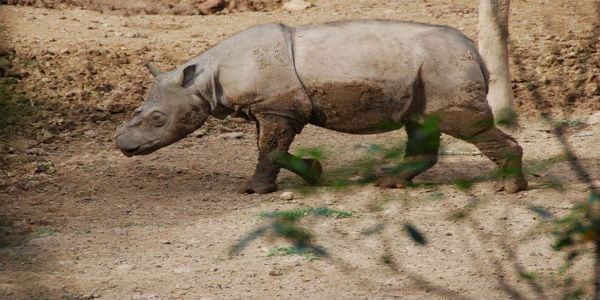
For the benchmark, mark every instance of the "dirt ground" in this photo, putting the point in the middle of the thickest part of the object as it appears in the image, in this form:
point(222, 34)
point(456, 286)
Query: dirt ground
point(81, 221)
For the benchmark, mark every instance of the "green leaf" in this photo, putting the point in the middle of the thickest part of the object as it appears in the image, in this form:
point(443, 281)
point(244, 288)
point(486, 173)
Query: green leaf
point(542, 212)
point(415, 234)
point(245, 241)
point(314, 153)
point(463, 185)
point(593, 197)
point(529, 276)
point(563, 242)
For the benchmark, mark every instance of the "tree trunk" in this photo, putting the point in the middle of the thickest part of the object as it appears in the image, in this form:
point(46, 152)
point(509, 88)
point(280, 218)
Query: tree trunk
point(493, 46)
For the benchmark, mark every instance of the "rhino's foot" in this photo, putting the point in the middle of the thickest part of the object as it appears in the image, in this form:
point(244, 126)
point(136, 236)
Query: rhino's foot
point(392, 182)
point(512, 185)
point(258, 187)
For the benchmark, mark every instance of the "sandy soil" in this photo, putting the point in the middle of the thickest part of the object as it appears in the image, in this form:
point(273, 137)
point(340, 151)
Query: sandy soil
point(81, 221)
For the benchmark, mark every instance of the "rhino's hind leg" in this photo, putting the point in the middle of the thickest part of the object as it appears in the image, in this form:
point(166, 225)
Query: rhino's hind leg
point(275, 135)
point(421, 154)
point(506, 153)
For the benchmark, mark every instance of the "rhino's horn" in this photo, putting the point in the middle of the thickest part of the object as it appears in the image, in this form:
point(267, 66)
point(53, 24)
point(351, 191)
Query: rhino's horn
point(154, 70)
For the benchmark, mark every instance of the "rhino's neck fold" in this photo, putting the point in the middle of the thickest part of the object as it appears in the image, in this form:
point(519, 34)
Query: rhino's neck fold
point(206, 87)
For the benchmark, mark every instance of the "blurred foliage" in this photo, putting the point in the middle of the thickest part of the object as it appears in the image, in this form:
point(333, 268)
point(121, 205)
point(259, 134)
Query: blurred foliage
point(303, 212)
point(288, 251)
point(317, 153)
point(463, 184)
point(580, 226)
point(415, 234)
point(535, 166)
point(286, 224)
point(46, 232)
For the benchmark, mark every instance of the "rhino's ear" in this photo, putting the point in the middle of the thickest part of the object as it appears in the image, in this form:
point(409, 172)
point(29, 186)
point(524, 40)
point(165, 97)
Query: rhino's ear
point(153, 69)
point(189, 74)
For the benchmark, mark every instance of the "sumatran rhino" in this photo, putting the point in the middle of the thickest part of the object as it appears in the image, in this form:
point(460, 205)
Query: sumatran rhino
point(353, 77)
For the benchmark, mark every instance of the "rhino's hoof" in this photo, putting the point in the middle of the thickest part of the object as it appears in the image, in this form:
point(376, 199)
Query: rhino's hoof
point(390, 182)
point(258, 188)
point(512, 185)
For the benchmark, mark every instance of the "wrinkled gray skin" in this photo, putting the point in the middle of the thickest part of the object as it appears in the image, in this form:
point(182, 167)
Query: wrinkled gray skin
point(352, 77)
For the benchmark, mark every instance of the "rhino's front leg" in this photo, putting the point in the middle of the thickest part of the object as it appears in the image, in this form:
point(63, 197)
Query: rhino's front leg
point(275, 135)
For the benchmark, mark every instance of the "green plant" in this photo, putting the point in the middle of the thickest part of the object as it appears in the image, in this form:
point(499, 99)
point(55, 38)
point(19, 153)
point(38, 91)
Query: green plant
point(46, 232)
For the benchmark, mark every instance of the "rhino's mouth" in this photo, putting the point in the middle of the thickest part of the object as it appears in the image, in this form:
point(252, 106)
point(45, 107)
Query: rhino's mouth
point(143, 149)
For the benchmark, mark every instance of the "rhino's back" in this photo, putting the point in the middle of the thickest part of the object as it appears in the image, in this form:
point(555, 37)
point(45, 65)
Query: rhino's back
point(361, 49)
point(370, 69)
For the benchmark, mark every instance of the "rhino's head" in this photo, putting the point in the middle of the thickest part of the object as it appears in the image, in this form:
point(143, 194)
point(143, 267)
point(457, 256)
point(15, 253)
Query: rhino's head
point(172, 110)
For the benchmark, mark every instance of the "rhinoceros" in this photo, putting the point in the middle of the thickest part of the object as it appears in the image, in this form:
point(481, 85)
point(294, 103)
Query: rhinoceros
point(354, 77)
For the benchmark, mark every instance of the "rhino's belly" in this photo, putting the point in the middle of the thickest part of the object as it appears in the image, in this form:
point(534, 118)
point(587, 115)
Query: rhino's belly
point(358, 107)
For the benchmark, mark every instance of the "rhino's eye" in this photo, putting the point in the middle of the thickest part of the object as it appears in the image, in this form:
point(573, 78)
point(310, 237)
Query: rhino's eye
point(157, 118)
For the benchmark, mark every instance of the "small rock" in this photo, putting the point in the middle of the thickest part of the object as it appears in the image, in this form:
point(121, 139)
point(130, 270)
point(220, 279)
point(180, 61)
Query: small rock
point(583, 134)
point(593, 88)
point(545, 80)
point(183, 270)
point(232, 135)
point(549, 60)
point(90, 133)
point(591, 120)
point(115, 107)
point(275, 273)
point(28, 185)
point(287, 196)
point(199, 133)
point(46, 167)
point(297, 5)
point(125, 268)
point(137, 35)
point(44, 136)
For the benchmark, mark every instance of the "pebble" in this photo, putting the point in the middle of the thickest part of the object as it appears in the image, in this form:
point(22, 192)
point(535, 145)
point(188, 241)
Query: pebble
point(125, 267)
point(297, 5)
point(28, 185)
point(46, 167)
point(232, 135)
point(44, 136)
point(593, 88)
point(583, 134)
point(287, 196)
point(593, 119)
point(199, 133)
point(90, 133)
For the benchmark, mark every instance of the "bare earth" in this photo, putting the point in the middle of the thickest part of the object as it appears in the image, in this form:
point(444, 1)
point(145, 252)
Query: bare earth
point(79, 220)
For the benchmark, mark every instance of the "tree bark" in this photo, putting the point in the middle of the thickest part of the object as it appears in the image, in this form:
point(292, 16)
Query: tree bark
point(493, 46)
